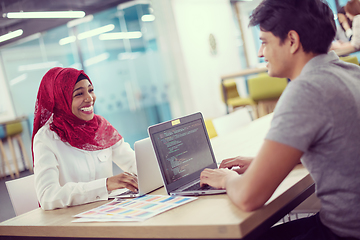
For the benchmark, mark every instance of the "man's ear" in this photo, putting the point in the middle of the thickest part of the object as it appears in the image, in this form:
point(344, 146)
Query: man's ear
point(294, 39)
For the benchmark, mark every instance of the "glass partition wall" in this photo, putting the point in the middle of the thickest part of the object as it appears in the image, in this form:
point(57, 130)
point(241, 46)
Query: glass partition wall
point(117, 48)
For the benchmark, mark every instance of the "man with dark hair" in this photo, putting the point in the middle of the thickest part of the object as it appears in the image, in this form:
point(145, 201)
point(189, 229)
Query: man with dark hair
point(316, 121)
point(312, 20)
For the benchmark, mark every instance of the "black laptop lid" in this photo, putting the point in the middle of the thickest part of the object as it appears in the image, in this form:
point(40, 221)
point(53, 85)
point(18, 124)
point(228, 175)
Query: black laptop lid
point(183, 149)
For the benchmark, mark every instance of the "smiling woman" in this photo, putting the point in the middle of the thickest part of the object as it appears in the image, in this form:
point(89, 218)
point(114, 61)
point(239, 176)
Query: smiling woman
point(73, 148)
point(83, 99)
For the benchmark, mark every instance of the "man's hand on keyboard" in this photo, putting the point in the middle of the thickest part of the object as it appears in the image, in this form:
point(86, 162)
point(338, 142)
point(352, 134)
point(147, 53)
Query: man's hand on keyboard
point(238, 164)
point(216, 177)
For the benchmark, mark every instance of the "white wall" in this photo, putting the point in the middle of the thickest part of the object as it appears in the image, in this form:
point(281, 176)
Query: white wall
point(190, 22)
point(6, 108)
point(174, 67)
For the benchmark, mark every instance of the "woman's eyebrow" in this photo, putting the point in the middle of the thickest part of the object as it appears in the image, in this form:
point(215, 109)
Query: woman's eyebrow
point(77, 89)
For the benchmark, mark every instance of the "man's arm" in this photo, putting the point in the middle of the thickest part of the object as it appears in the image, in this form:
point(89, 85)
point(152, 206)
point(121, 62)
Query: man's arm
point(251, 190)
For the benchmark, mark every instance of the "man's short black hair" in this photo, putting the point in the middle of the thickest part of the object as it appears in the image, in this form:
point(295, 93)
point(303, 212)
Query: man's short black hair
point(313, 20)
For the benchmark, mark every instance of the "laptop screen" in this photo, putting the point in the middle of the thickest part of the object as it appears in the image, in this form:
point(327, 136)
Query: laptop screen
point(183, 149)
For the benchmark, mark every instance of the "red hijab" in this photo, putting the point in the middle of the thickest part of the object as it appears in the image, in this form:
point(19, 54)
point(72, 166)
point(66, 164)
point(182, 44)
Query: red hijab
point(55, 98)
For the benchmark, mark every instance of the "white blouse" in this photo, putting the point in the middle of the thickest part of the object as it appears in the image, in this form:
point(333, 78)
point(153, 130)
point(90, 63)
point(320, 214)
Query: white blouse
point(67, 176)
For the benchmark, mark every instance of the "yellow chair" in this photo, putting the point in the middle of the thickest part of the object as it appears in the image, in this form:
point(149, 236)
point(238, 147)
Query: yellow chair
point(350, 59)
point(233, 100)
point(3, 152)
point(265, 91)
point(210, 128)
point(13, 131)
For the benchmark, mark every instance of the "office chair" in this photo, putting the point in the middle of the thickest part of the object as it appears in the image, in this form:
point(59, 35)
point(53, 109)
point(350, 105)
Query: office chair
point(265, 91)
point(308, 207)
point(3, 153)
point(9, 132)
point(210, 128)
point(350, 59)
point(233, 100)
point(22, 194)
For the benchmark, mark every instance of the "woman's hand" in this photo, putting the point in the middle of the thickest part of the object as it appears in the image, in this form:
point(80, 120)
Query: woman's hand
point(122, 180)
point(238, 164)
point(216, 177)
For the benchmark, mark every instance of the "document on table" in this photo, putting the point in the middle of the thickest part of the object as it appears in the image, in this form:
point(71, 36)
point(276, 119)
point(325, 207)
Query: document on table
point(136, 209)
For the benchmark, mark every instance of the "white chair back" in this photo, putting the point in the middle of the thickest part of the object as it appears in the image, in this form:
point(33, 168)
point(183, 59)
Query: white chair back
point(22, 194)
point(231, 121)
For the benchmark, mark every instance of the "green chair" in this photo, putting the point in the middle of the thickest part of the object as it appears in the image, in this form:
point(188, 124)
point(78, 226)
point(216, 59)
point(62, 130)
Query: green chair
point(265, 91)
point(350, 59)
point(3, 152)
point(233, 100)
point(12, 132)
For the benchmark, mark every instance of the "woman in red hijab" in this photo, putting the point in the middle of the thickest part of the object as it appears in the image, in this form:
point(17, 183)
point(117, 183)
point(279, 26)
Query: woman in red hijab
point(73, 149)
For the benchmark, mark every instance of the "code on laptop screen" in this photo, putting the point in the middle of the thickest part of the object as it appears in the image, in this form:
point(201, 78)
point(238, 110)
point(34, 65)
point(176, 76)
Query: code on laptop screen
point(183, 150)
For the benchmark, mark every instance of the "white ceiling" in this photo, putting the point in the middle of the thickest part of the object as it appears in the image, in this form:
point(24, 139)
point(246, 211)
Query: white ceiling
point(31, 26)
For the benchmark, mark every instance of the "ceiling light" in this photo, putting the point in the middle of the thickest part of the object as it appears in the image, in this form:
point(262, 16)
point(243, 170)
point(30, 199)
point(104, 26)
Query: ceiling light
point(11, 35)
point(96, 31)
point(128, 55)
point(18, 79)
point(120, 35)
point(50, 14)
point(148, 18)
point(67, 40)
point(38, 66)
point(97, 59)
point(75, 22)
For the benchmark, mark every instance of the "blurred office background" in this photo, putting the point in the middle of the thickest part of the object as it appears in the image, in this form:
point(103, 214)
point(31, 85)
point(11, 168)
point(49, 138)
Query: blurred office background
point(150, 61)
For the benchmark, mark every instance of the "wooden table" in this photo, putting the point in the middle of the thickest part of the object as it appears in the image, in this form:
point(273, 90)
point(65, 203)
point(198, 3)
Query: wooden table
point(209, 217)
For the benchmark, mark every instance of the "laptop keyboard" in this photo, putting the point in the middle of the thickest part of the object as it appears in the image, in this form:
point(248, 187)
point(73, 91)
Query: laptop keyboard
point(197, 187)
point(128, 192)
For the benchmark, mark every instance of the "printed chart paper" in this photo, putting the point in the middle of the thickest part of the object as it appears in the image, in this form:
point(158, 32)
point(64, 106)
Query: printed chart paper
point(136, 209)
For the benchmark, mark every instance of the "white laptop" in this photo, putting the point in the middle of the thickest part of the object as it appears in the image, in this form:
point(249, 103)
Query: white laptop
point(183, 150)
point(149, 177)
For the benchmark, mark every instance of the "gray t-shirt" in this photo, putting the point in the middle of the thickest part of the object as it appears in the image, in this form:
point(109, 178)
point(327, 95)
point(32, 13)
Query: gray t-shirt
point(319, 114)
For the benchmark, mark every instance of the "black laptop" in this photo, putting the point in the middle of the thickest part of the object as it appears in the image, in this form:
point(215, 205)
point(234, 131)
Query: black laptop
point(183, 150)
